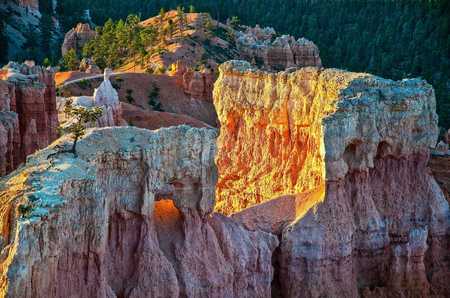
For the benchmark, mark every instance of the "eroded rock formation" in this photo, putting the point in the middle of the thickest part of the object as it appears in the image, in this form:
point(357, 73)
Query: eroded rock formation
point(77, 37)
point(196, 84)
point(106, 97)
point(28, 115)
point(264, 48)
point(130, 217)
point(357, 212)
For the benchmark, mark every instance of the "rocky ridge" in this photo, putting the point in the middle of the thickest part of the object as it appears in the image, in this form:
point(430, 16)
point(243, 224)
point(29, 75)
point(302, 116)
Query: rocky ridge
point(133, 200)
point(358, 213)
point(368, 221)
point(192, 55)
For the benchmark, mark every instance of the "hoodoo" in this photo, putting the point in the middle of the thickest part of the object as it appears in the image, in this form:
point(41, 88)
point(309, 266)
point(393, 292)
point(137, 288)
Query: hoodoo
point(334, 162)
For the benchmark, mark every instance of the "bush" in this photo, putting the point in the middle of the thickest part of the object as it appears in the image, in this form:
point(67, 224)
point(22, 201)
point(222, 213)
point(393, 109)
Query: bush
point(70, 61)
point(25, 210)
point(153, 99)
point(129, 96)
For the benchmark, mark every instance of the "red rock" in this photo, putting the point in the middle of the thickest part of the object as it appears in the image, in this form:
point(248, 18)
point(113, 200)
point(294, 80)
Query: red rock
point(196, 84)
point(136, 116)
point(28, 112)
point(265, 49)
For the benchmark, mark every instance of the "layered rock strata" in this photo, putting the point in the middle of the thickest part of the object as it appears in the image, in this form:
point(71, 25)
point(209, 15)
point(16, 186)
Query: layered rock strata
point(346, 154)
point(28, 115)
point(130, 217)
point(264, 48)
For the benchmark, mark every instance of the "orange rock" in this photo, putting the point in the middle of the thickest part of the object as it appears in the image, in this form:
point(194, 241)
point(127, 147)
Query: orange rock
point(355, 147)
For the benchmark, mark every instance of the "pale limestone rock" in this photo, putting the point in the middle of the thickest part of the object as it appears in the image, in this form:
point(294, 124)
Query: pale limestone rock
point(132, 216)
point(106, 96)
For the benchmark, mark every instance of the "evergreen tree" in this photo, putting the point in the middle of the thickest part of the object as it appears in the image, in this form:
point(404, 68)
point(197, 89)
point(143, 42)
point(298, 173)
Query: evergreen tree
point(70, 61)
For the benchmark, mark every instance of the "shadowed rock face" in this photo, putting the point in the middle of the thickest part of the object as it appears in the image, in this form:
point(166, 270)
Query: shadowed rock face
point(265, 49)
point(345, 156)
point(28, 115)
point(130, 217)
point(77, 37)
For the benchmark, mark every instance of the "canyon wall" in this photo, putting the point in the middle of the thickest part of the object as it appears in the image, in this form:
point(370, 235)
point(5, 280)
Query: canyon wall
point(130, 217)
point(21, 18)
point(335, 163)
point(28, 115)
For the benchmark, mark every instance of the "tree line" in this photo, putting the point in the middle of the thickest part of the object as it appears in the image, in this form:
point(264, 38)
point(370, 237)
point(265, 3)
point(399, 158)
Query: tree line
point(393, 39)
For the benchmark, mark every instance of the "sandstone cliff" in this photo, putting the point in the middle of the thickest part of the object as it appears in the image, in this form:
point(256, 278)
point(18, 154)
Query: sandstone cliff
point(358, 213)
point(28, 115)
point(131, 217)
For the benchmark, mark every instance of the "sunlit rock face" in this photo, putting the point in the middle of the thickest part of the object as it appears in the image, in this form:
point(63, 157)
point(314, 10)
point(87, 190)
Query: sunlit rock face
point(130, 217)
point(28, 115)
point(345, 156)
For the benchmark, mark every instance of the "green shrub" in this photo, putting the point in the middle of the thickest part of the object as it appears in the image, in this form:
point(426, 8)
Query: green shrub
point(153, 99)
point(25, 210)
point(129, 96)
point(84, 84)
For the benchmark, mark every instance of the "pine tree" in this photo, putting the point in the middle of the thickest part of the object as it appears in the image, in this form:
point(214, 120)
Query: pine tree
point(81, 117)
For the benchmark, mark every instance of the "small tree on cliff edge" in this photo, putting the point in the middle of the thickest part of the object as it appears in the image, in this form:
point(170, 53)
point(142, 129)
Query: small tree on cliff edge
point(81, 116)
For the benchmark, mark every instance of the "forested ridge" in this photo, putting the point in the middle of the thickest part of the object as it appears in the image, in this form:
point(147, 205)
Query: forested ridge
point(390, 38)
